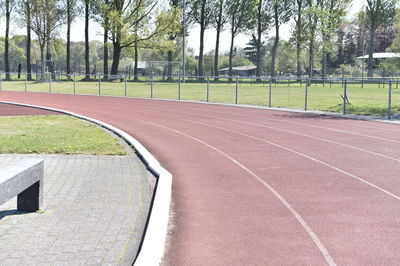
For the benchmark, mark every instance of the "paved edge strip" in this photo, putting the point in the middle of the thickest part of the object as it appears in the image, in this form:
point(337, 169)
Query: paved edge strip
point(153, 243)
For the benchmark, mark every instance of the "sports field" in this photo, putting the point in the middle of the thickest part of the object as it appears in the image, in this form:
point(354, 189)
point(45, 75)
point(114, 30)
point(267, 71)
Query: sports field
point(366, 99)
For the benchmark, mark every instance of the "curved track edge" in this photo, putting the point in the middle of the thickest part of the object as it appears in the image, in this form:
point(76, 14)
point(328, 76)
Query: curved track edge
point(153, 242)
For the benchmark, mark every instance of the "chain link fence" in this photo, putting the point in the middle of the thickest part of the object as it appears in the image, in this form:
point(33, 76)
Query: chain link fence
point(374, 97)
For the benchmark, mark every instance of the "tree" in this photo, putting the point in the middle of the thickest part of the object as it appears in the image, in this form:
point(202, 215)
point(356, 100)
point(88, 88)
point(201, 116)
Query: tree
point(202, 12)
point(24, 9)
point(87, 16)
point(101, 17)
point(264, 18)
point(377, 13)
point(299, 30)
point(122, 18)
point(175, 7)
point(47, 16)
point(8, 7)
point(311, 13)
point(331, 14)
point(239, 15)
point(219, 23)
point(282, 12)
point(149, 34)
point(72, 10)
point(251, 50)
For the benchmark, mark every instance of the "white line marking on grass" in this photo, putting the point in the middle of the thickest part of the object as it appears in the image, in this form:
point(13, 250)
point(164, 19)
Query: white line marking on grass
point(303, 155)
point(298, 217)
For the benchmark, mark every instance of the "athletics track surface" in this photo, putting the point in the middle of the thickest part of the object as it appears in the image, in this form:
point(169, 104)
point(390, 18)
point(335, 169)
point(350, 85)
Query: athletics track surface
point(263, 187)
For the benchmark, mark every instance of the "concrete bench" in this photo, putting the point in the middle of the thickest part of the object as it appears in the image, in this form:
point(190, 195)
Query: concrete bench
point(25, 180)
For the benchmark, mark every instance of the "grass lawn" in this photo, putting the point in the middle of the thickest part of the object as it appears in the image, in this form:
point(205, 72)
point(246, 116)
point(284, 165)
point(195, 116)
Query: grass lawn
point(55, 134)
point(369, 99)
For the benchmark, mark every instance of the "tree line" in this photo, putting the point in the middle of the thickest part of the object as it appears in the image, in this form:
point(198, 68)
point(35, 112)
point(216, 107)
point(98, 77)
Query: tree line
point(321, 35)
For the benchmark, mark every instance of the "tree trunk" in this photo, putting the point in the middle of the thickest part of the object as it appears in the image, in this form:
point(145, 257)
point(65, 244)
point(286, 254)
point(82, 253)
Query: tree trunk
point(87, 63)
point(105, 54)
point(6, 41)
point(201, 50)
point(116, 56)
point(169, 66)
point(28, 42)
point(298, 40)
point(135, 67)
point(259, 34)
point(231, 56)
point(216, 55)
point(42, 44)
point(311, 59)
point(275, 48)
point(69, 21)
point(371, 47)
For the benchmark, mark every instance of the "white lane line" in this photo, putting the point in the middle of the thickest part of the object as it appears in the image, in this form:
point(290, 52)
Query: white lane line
point(312, 126)
point(300, 154)
point(312, 137)
point(298, 217)
point(291, 132)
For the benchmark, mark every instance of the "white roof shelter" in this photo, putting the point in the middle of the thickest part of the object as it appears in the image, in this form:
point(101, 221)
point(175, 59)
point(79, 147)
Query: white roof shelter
point(381, 56)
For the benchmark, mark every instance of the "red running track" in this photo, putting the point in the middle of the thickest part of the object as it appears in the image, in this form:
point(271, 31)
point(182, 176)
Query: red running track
point(263, 187)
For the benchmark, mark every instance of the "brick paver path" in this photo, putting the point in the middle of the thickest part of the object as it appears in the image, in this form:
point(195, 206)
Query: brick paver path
point(95, 212)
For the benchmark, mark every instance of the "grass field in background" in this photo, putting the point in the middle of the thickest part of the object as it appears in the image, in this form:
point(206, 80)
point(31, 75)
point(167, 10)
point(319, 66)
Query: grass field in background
point(57, 134)
point(371, 99)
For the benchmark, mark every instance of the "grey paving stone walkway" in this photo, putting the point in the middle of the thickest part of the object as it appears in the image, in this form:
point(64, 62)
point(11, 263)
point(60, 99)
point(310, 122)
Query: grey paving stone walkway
point(95, 212)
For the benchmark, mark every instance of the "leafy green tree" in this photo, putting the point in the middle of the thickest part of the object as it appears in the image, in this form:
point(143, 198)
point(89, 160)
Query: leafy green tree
point(239, 16)
point(311, 18)
point(88, 4)
point(331, 14)
point(72, 9)
point(99, 6)
point(149, 34)
point(47, 16)
point(219, 23)
point(299, 31)
point(202, 14)
point(251, 50)
point(7, 9)
point(264, 18)
point(282, 13)
point(123, 16)
point(377, 13)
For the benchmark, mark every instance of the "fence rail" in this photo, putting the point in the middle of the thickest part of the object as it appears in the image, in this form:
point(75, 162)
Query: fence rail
point(377, 97)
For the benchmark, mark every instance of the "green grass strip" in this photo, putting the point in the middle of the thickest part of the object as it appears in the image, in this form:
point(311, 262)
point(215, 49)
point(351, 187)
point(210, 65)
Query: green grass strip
point(55, 134)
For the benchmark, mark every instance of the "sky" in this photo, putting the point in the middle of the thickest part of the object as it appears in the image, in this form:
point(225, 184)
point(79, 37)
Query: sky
point(95, 32)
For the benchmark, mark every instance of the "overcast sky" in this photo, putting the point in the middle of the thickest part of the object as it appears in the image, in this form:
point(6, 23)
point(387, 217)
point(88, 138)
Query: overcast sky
point(95, 32)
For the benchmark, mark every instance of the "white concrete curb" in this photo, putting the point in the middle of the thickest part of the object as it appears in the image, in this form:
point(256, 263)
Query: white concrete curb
point(154, 240)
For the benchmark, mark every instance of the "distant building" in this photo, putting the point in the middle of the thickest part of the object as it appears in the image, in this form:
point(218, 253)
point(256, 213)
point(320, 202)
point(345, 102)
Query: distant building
point(381, 56)
point(239, 71)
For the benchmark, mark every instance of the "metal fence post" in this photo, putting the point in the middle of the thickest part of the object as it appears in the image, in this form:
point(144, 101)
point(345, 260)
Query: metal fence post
point(208, 90)
point(236, 92)
point(99, 86)
point(49, 82)
point(74, 83)
point(179, 88)
point(126, 87)
point(344, 96)
point(390, 101)
point(151, 87)
point(306, 96)
point(270, 93)
point(26, 85)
